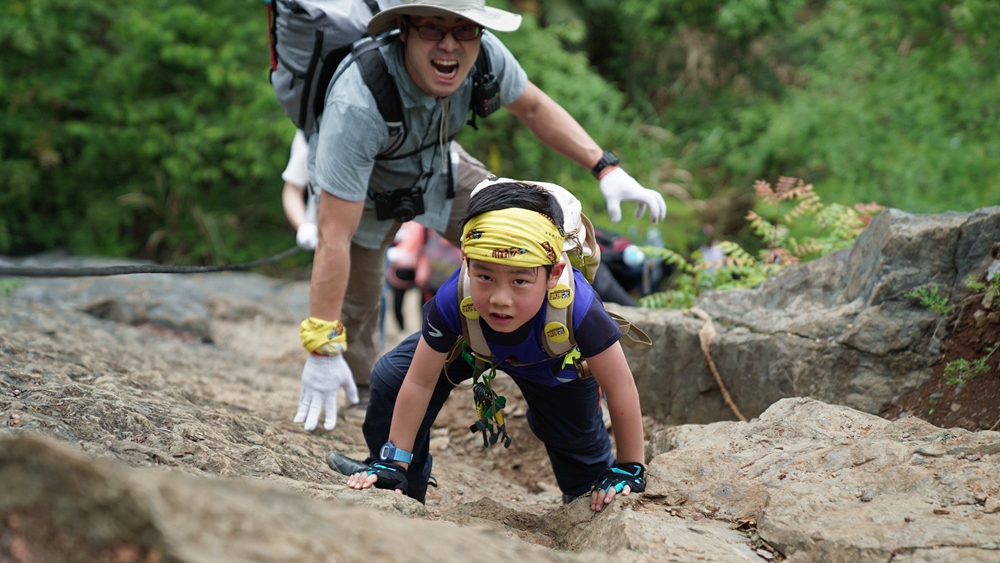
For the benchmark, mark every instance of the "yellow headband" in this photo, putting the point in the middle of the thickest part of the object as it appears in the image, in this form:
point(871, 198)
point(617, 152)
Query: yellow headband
point(513, 237)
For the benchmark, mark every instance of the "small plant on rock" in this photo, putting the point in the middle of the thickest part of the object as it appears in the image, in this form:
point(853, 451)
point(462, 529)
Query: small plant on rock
point(931, 298)
point(961, 370)
point(990, 288)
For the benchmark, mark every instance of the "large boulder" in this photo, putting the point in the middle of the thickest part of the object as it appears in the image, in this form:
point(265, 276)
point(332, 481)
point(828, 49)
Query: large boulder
point(829, 483)
point(837, 329)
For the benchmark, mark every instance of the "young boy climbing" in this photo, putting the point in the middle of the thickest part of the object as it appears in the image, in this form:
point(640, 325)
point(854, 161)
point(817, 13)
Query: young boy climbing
point(512, 241)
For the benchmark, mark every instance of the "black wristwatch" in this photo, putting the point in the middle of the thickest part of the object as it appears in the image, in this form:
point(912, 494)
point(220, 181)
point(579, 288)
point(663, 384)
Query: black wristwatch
point(609, 159)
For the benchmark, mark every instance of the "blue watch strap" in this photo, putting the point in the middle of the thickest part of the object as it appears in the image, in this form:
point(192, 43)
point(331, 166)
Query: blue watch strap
point(390, 452)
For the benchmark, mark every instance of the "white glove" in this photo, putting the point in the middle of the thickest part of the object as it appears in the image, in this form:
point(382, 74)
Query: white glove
point(307, 237)
point(322, 378)
point(618, 186)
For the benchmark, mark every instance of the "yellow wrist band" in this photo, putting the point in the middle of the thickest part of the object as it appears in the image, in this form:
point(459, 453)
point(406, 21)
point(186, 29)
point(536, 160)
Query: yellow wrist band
point(323, 337)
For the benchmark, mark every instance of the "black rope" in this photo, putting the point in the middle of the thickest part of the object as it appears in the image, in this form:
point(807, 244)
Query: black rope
point(29, 272)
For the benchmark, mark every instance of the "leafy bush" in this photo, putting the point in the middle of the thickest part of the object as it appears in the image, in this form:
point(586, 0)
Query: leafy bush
point(865, 99)
point(139, 128)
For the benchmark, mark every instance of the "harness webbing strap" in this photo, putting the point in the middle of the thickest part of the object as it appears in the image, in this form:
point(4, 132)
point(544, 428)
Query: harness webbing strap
point(471, 330)
point(563, 316)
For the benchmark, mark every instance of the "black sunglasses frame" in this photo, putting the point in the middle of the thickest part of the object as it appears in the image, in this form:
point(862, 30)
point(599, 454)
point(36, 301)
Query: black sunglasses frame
point(446, 30)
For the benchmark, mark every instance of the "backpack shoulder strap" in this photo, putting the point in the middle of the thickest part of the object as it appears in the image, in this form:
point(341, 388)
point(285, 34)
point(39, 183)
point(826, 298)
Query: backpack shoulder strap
point(383, 87)
point(632, 336)
point(471, 331)
point(558, 338)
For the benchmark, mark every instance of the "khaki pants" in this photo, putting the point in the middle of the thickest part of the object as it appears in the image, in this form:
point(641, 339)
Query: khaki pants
point(361, 311)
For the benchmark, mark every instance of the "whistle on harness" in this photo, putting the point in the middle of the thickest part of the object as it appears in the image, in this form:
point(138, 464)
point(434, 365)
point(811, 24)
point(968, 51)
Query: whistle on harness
point(489, 409)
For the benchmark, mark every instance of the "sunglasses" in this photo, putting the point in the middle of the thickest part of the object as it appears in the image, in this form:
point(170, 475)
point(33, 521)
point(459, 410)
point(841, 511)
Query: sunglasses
point(435, 32)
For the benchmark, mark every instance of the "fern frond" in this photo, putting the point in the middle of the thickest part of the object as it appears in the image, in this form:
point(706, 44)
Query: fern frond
point(792, 188)
point(668, 256)
point(802, 250)
point(735, 251)
point(672, 299)
point(871, 209)
point(779, 256)
point(868, 211)
point(809, 204)
point(764, 192)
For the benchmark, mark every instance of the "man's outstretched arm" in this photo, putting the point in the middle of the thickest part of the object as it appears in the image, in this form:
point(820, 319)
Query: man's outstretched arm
point(555, 127)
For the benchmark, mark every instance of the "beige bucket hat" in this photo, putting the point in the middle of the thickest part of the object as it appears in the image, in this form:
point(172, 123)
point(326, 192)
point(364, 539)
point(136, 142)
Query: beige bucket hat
point(474, 10)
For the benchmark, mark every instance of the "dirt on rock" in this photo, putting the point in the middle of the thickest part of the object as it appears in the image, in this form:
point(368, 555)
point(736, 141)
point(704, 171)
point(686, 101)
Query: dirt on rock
point(973, 402)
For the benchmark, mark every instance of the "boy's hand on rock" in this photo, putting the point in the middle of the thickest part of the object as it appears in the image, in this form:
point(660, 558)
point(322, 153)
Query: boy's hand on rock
point(383, 475)
point(620, 478)
point(322, 379)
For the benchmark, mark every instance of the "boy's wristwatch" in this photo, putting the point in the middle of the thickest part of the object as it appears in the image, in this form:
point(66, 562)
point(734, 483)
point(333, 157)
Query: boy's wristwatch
point(608, 159)
point(390, 452)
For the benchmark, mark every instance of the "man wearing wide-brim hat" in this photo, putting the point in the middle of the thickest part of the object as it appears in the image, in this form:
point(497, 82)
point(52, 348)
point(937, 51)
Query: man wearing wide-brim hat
point(439, 41)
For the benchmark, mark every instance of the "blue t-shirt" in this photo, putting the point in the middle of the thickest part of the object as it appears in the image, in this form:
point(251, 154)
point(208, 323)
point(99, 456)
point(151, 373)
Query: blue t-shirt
point(593, 329)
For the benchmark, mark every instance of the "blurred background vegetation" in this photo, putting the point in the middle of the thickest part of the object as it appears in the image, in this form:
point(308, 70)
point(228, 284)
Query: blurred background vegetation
point(148, 128)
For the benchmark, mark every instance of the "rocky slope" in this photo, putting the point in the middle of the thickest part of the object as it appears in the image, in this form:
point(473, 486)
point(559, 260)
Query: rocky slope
point(126, 441)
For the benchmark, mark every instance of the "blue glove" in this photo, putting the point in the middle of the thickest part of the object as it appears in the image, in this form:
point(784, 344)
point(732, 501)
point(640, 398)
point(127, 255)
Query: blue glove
point(619, 475)
point(390, 475)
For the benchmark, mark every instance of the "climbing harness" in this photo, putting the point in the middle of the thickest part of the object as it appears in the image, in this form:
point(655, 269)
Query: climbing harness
point(32, 272)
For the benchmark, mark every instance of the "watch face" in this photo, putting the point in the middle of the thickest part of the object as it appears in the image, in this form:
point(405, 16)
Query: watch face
point(384, 454)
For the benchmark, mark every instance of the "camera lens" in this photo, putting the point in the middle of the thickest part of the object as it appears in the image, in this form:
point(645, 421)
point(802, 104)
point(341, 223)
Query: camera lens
point(404, 211)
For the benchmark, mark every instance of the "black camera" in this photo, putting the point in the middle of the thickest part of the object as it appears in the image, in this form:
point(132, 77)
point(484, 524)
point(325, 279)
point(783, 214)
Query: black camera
point(402, 205)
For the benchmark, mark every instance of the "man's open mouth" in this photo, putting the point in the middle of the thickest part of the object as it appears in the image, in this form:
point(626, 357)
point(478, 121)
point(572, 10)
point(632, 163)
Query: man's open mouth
point(445, 68)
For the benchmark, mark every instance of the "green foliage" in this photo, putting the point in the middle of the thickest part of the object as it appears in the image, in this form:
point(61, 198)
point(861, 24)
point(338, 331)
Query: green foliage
point(867, 99)
point(148, 128)
point(7, 286)
point(961, 370)
point(795, 207)
point(140, 128)
point(991, 287)
point(932, 299)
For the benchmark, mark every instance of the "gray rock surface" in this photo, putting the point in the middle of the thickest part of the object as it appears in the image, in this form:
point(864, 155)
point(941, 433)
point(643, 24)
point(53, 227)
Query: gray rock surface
point(219, 472)
point(188, 519)
point(222, 474)
point(178, 302)
point(829, 483)
point(837, 329)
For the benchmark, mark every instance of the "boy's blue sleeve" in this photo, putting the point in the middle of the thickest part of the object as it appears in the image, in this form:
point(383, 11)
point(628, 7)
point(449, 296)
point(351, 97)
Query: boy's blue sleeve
point(597, 331)
point(435, 330)
point(441, 326)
